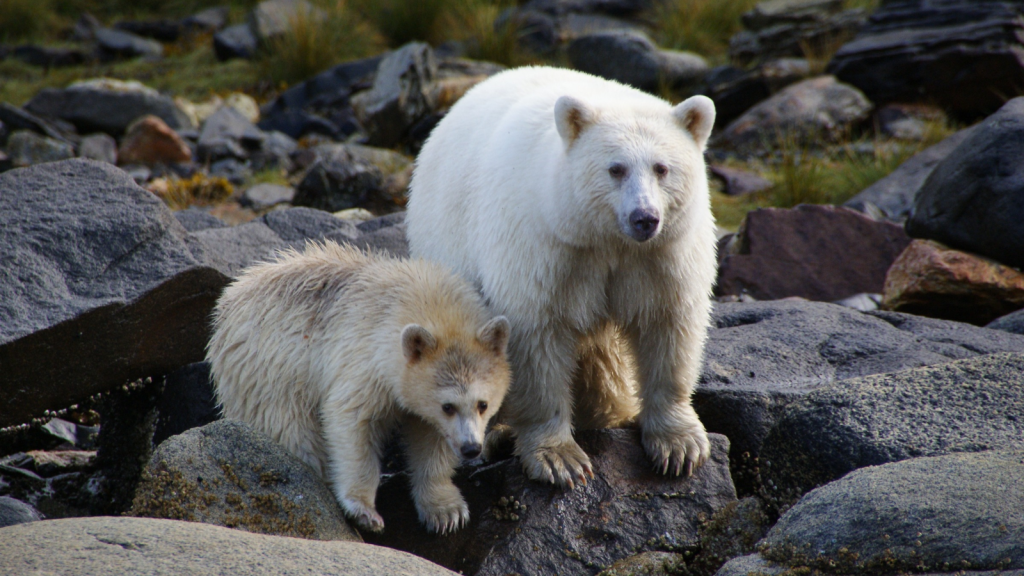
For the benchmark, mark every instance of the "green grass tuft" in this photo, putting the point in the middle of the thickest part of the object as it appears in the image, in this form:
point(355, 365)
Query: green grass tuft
point(701, 26)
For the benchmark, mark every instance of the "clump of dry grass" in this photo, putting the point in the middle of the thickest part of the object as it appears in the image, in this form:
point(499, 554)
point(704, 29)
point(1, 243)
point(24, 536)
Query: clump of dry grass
point(473, 23)
point(402, 21)
point(701, 26)
point(25, 19)
point(199, 190)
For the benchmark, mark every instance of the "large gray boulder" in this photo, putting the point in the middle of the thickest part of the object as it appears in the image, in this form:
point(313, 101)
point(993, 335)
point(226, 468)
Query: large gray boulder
point(964, 55)
point(762, 356)
point(974, 199)
point(631, 58)
point(106, 105)
point(892, 197)
point(400, 95)
point(947, 513)
point(99, 285)
point(964, 406)
point(518, 526)
point(150, 547)
point(226, 473)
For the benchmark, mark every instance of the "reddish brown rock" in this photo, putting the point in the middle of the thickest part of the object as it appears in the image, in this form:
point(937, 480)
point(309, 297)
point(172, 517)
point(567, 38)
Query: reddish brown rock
point(933, 280)
point(150, 140)
point(822, 253)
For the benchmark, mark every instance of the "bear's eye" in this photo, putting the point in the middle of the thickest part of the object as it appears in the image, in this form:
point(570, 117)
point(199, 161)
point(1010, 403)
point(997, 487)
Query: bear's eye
point(448, 409)
point(617, 170)
point(481, 406)
point(660, 169)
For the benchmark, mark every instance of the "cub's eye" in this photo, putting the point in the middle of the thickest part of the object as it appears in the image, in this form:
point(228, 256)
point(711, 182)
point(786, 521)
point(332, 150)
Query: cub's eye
point(448, 409)
point(660, 169)
point(481, 406)
point(617, 170)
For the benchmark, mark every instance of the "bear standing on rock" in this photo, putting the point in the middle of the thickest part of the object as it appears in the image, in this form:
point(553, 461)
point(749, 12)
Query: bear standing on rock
point(580, 208)
point(328, 350)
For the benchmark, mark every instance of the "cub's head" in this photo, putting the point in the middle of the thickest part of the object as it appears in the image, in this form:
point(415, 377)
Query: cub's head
point(456, 383)
point(637, 166)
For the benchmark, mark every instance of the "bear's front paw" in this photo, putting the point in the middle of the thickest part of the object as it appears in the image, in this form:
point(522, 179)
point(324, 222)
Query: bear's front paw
point(444, 518)
point(564, 464)
point(677, 452)
point(366, 517)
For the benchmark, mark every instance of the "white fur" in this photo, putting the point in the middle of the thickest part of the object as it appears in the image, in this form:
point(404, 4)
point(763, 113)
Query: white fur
point(328, 350)
point(513, 190)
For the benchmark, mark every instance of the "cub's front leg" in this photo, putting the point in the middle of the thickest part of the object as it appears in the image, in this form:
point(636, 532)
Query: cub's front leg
point(353, 462)
point(432, 463)
point(668, 362)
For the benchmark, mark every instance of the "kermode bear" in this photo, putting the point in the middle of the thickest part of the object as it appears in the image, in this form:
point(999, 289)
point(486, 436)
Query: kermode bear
point(579, 207)
point(329, 349)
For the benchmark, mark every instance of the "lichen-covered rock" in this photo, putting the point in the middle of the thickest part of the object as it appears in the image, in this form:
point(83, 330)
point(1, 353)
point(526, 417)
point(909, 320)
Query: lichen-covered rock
point(227, 474)
point(647, 564)
point(732, 531)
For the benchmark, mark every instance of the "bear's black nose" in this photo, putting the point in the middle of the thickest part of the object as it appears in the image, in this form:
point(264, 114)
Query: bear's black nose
point(644, 223)
point(470, 451)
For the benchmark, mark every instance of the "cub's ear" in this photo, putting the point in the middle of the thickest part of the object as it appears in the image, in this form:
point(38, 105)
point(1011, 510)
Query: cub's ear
point(696, 115)
point(494, 334)
point(416, 341)
point(572, 117)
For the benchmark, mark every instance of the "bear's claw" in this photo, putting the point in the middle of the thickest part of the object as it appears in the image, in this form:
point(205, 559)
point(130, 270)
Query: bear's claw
point(445, 519)
point(678, 454)
point(559, 464)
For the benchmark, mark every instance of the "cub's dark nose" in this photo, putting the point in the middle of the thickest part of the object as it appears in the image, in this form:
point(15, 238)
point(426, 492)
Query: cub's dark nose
point(470, 451)
point(644, 224)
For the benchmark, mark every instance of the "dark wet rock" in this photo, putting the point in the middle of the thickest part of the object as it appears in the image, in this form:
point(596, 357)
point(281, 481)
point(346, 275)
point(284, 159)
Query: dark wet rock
point(933, 280)
point(804, 113)
point(762, 356)
point(391, 239)
point(918, 515)
point(151, 547)
point(964, 55)
point(102, 286)
point(105, 105)
point(1012, 322)
point(801, 28)
point(100, 147)
point(15, 118)
point(338, 181)
point(631, 58)
point(972, 200)
point(162, 30)
point(320, 104)
point(400, 95)
point(120, 44)
point(26, 148)
point(736, 182)
point(735, 90)
point(892, 197)
point(524, 527)
point(49, 56)
point(14, 511)
point(228, 474)
point(227, 133)
point(187, 402)
point(194, 220)
point(275, 152)
point(263, 196)
point(732, 531)
point(236, 41)
point(806, 252)
point(965, 406)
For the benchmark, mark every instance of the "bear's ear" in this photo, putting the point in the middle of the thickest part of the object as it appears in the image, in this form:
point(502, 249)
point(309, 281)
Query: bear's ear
point(696, 115)
point(494, 334)
point(572, 117)
point(416, 341)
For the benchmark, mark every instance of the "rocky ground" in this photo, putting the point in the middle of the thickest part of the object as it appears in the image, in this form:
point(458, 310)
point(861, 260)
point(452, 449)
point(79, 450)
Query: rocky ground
point(863, 379)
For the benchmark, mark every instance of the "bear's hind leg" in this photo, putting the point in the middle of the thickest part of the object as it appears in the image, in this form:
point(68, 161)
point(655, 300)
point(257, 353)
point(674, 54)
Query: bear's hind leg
point(604, 385)
point(432, 462)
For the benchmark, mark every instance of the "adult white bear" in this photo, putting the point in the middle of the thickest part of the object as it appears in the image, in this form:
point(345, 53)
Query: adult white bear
point(579, 207)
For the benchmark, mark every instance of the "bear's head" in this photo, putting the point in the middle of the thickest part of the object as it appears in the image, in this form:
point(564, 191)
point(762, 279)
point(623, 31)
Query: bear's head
point(636, 166)
point(455, 382)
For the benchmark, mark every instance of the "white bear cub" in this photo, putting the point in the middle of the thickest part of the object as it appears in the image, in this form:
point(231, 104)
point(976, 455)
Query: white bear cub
point(328, 350)
point(580, 208)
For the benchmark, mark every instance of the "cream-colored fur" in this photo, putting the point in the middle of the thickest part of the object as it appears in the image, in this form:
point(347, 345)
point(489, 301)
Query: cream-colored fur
point(328, 350)
point(540, 186)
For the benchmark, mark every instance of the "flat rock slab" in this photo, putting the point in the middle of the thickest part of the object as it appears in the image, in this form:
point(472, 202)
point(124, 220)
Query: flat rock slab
point(974, 199)
point(625, 510)
point(228, 474)
point(761, 356)
point(960, 511)
point(823, 253)
point(105, 105)
point(150, 547)
point(99, 285)
point(965, 406)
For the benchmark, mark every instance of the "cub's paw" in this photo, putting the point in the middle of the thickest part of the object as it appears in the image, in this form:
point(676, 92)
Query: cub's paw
point(366, 517)
point(676, 452)
point(564, 464)
point(444, 518)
